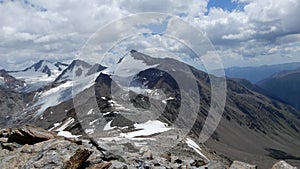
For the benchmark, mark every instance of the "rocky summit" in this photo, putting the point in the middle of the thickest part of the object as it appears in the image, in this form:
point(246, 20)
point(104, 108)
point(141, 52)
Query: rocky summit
point(33, 147)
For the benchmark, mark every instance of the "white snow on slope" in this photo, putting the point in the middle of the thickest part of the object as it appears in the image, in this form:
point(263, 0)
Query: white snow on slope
point(62, 125)
point(108, 126)
point(66, 124)
point(63, 92)
point(165, 100)
point(147, 129)
point(54, 126)
point(90, 112)
point(130, 66)
point(89, 131)
point(144, 129)
point(67, 134)
point(195, 146)
point(71, 75)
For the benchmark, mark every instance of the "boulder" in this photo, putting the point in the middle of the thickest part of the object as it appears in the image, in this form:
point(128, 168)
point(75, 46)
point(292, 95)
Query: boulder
point(30, 135)
point(78, 159)
point(242, 165)
point(283, 165)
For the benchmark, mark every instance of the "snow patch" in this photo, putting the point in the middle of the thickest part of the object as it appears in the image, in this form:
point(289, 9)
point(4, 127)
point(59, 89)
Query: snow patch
point(108, 126)
point(93, 122)
point(165, 100)
point(66, 124)
point(90, 112)
point(67, 134)
point(196, 148)
point(147, 129)
point(89, 131)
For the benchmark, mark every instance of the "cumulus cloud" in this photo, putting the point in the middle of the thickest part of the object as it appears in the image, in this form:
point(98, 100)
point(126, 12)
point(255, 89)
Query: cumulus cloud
point(262, 29)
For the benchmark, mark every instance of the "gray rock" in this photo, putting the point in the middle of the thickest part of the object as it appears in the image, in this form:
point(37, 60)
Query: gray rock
point(49, 154)
point(118, 165)
point(283, 165)
point(242, 165)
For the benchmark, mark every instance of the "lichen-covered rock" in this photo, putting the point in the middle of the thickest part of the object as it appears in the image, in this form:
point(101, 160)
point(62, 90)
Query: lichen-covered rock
point(283, 165)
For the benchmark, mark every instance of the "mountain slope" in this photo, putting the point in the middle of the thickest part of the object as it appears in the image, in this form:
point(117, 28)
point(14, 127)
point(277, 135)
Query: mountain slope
point(284, 86)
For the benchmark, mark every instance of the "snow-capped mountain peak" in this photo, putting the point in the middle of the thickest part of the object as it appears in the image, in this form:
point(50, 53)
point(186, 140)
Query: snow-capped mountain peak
point(39, 74)
point(47, 67)
point(77, 69)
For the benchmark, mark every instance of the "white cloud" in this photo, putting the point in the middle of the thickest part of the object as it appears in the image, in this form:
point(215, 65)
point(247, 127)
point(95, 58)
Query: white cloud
point(57, 29)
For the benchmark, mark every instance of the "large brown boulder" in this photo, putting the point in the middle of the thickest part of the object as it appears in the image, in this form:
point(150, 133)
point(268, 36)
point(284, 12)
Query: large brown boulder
point(30, 135)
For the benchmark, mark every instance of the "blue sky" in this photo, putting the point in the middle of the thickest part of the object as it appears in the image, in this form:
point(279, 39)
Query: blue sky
point(227, 5)
point(224, 4)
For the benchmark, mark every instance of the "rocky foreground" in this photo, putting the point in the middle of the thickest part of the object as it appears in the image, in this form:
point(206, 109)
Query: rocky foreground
point(32, 147)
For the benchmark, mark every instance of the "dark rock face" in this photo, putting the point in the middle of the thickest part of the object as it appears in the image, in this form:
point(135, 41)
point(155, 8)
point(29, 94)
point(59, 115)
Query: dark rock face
point(9, 82)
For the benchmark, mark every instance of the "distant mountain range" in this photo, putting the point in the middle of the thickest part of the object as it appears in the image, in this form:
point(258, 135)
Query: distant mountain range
point(280, 82)
point(254, 126)
point(284, 86)
point(256, 74)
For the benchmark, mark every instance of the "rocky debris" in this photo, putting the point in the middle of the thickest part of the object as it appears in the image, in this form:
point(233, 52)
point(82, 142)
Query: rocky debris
point(215, 165)
point(103, 165)
point(242, 165)
point(283, 165)
point(30, 135)
point(50, 152)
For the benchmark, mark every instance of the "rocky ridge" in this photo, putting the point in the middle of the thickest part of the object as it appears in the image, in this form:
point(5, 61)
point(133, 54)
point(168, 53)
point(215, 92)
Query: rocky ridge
point(33, 147)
